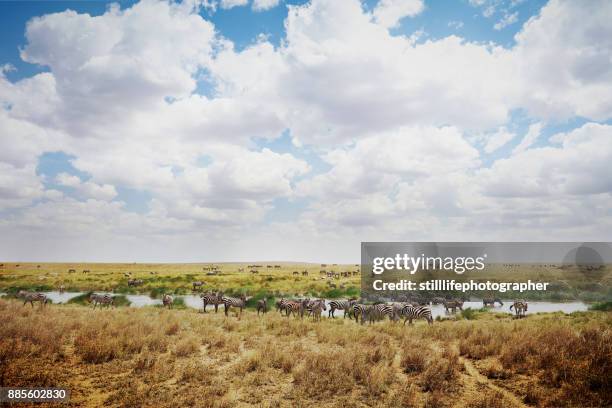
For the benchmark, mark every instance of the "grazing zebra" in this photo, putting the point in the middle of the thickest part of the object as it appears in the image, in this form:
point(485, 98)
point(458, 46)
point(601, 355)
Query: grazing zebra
point(491, 302)
point(453, 304)
point(96, 299)
point(167, 300)
point(197, 285)
point(315, 308)
point(211, 299)
point(520, 307)
point(361, 310)
point(262, 305)
point(437, 300)
point(416, 312)
point(228, 302)
point(32, 297)
point(344, 305)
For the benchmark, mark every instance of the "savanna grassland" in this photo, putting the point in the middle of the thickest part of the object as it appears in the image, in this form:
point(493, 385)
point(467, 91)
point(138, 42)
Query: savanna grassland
point(158, 357)
point(271, 279)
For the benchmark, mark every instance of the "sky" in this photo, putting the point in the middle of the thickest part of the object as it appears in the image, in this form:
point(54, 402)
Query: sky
point(246, 130)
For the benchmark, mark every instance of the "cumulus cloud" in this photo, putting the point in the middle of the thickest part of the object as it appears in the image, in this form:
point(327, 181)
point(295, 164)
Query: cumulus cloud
point(262, 5)
point(506, 20)
point(228, 4)
point(381, 127)
point(388, 13)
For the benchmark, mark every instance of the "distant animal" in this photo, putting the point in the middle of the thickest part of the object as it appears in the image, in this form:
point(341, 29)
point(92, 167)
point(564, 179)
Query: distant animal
point(520, 307)
point(135, 282)
point(453, 305)
point(296, 273)
point(32, 297)
point(167, 301)
point(437, 300)
point(71, 270)
point(97, 299)
point(86, 271)
point(229, 302)
point(38, 266)
point(344, 305)
point(197, 285)
point(62, 289)
point(262, 305)
point(304, 273)
point(211, 299)
point(416, 312)
point(491, 302)
point(254, 271)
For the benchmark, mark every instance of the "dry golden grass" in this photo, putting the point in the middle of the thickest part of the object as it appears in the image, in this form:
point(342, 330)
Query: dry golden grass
point(157, 357)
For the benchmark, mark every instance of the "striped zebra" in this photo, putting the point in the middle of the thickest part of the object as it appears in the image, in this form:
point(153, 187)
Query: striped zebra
point(416, 312)
point(262, 305)
point(229, 302)
point(344, 305)
point(281, 305)
point(211, 299)
point(101, 300)
point(32, 297)
point(520, 307)
point(397, 308)
point(360, 310)
point(167, 300)
point(315, 308)
point(294, 307)
point(453, 305)
point(491, 302)
point(379, 311)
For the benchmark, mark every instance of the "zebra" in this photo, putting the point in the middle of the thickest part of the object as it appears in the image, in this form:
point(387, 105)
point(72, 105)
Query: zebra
point(491, 302)
point(520, 307)
point(33, 297)
point(262, 305)
point(379, 311)
point(62, 289)
point(228, 302)
point(453, 304)
point(167, 300)
point(197, 285)
point(419, 312)
point(101, 300)
point(211, 299)
point(135, 282)
point(315, 308)
point(281, 305)
point(437, 300)
point(361, 310)
point(294, 307)
point(344, 305)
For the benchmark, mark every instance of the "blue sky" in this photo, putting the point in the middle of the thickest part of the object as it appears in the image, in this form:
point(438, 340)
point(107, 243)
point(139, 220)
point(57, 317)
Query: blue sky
point(157, 127)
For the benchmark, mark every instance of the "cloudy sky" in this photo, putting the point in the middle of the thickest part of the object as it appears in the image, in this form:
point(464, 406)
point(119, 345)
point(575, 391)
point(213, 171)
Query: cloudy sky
point(212, 130)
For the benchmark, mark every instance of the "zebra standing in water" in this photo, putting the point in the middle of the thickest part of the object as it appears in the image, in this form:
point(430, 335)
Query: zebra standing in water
point(228, 302)
point(101, 300)
point(491, 302)
point(262, 305)
point(453, 305)
point(344, 305)
point(211, 299)
point(32, 297)
point(167, 300)
point(416, 312)
point(520, 307)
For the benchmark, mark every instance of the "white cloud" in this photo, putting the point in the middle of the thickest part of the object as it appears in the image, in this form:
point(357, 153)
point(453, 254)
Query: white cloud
point(532, 135)
point(388, 13)
point(261, 5)
point(498, 139)
point(87, 189)
point(228, 4)
point(506, 20)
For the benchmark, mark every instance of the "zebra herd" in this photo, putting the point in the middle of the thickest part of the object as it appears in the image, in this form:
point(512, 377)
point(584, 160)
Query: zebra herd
point(312, 307)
